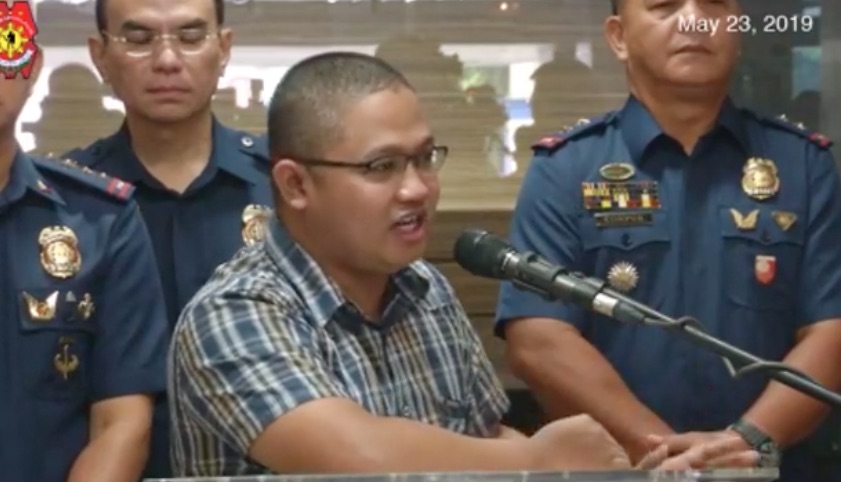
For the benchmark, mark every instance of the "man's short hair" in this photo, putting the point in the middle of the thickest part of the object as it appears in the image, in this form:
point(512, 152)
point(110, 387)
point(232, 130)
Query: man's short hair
point(306, 109)
point(614, 6)
point(102, 23)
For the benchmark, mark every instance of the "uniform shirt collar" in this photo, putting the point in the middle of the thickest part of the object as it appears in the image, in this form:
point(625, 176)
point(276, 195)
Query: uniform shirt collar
point(320, 294)
point(640, 129)
point(227, 152)
point(25, 178)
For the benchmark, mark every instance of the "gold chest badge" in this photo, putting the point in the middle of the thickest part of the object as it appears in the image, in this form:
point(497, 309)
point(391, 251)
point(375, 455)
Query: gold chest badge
point(759, 179)
point(60, 256)
point(255, 219)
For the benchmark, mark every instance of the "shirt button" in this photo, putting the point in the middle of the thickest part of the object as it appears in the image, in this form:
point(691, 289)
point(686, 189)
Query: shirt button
point(626, 239)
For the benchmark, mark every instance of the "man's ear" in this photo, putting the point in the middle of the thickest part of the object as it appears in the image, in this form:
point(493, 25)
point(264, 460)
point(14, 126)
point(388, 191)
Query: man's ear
point(226, 40)
point(614, 33)
point(96, 51)
point(35, 73)
point(292, 182)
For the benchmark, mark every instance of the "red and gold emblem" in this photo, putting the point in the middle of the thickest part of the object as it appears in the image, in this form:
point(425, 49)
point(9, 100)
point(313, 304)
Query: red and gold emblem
point(765, 268)
point(17, 39)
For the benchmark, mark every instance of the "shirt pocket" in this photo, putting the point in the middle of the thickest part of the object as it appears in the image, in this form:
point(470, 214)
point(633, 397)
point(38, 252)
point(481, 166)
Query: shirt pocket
point(628, 257)
point(761, 266)
point(56, 343)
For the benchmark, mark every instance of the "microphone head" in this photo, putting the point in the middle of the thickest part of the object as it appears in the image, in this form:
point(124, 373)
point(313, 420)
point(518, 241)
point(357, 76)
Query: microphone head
point(481, 253)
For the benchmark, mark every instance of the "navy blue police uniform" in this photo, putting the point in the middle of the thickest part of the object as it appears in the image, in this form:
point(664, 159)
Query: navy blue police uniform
point(192, 232)
point(742, 235)
point(85, 321)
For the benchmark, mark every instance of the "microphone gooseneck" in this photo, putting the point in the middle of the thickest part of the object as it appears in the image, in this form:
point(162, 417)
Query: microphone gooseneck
point(486, 255)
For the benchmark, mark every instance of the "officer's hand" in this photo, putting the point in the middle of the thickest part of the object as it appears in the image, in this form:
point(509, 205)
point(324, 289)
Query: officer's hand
point(694, 450)
point(577, 443)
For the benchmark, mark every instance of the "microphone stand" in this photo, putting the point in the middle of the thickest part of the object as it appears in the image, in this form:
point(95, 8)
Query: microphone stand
point(692, 329)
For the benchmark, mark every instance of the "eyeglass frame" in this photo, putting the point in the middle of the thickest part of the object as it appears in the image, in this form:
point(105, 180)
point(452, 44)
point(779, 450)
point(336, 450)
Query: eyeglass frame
point(366, 167)
point(157, 38)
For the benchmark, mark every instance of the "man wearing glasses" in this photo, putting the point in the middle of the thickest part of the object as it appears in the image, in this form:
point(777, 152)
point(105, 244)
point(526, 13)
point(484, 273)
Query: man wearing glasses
point(332, 347)
point(202, 187)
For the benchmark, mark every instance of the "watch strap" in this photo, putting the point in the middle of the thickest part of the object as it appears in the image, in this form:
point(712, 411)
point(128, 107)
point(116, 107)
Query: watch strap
point(769, 451)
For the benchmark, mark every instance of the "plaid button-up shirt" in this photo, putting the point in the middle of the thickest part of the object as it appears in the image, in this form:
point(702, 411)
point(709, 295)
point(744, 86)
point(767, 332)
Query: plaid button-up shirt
point(270, 332)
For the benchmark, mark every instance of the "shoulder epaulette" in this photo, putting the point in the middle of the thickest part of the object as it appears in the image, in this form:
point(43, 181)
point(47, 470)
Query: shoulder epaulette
point(70, 169)
point(558, 139)
point(799, 129)
point(86, 155)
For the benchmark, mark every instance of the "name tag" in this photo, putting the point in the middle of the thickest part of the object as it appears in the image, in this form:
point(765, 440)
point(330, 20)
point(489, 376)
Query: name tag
point(622, 219)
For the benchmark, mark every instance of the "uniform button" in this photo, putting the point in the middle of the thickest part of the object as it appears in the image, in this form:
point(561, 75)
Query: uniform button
point(626, 239)
point(765, 237)
point(247, 141)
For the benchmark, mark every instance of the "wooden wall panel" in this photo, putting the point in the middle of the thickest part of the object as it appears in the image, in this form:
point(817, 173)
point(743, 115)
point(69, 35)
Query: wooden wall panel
point(450, 224)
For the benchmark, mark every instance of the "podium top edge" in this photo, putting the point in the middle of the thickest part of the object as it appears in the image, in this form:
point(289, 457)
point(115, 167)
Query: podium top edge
point(721, 475)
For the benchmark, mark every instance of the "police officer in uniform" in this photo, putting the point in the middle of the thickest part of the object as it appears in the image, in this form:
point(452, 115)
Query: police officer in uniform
point(695, 207)
point(83, 338)
point(202, 187)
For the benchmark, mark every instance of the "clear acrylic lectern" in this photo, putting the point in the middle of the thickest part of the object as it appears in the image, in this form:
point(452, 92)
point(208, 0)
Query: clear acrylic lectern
point(748, 475)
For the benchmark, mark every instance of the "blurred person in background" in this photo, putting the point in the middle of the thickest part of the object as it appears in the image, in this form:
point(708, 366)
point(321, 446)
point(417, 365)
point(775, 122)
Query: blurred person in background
point(202, 187)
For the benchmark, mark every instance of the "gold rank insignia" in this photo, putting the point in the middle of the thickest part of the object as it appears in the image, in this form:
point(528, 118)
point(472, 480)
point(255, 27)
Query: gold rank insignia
point(60, 256)
point(759, 179)
point(745, 222)
point(65, 362)
point(617, 171)
point(784, 219)
point(41, 310)
point(599, 196)
point(623, 276)
point(255, 219)
point(85, 308)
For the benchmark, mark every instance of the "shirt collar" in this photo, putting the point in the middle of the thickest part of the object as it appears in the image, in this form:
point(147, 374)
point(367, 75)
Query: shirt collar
point(640, 129)
point(24, 178)
point(227, 152)
point(321, 295)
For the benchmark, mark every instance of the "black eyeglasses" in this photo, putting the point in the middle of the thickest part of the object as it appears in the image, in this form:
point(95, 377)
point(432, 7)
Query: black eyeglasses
point(388, 167)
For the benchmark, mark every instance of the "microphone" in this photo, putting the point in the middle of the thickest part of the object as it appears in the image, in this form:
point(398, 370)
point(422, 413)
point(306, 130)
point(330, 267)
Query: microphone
point(486, 255)
point(489, 256)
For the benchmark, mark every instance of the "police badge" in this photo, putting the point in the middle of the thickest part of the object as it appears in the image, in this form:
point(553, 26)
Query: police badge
point(759, 179)
point(255, 219)
point(60, 256)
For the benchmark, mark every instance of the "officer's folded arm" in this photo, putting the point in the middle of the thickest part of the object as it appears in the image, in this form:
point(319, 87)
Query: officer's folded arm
point(788, 416)
point(118, 427)
point(128, 357)
point(570, 376)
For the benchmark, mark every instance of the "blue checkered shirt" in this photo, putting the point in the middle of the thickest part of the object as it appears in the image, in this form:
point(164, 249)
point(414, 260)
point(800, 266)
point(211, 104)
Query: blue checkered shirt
point(270, 332)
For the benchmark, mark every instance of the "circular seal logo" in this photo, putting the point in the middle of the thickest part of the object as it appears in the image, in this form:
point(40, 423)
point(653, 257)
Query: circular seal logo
point(17, 39)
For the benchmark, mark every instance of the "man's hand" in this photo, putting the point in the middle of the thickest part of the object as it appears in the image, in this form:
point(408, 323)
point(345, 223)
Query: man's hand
point(577, 443)
point(699, 450)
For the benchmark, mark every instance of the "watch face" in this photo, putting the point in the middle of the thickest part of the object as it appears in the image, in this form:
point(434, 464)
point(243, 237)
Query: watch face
point(769, 455)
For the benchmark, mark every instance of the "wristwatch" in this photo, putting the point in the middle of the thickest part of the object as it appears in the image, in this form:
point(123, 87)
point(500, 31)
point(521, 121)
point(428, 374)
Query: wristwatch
point(769, 451)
